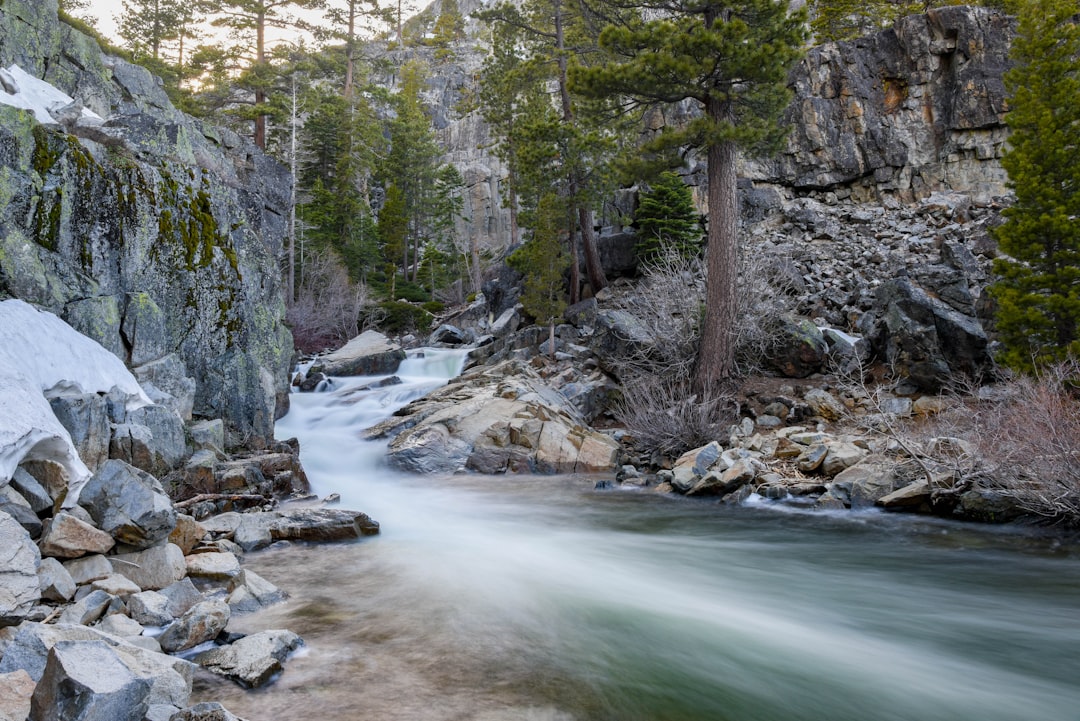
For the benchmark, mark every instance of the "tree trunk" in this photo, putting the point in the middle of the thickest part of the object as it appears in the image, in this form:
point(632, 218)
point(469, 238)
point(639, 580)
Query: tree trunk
point(592, 258)
point(292, 195)
point(716, 357)
point(575, 269)
point(551, 339)
point(593, 268)
point(475, 279)
point(350, 51)
point(260, 94)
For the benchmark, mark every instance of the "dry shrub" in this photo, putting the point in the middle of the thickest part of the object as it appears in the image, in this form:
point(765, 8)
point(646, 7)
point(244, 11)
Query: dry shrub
point(668, 302)
point(329, 307)
point(668, 419)
point(765, 296)
point(1031, 441)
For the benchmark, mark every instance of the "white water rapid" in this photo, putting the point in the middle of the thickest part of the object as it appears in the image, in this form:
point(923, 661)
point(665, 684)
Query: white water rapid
point(541, 599)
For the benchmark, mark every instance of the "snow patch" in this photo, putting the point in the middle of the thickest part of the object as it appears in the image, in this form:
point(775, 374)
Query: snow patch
point(22, 90)
point(42, 357)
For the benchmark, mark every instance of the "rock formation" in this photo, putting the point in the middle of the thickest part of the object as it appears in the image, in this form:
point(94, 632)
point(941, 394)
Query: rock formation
point(154, 233)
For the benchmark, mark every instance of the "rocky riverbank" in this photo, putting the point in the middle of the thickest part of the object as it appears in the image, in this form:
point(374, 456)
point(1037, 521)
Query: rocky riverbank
point(122, 541)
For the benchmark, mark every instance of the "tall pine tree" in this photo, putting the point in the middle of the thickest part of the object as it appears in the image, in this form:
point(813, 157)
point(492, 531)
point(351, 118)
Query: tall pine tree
point(732, 58)
point(1038, 295)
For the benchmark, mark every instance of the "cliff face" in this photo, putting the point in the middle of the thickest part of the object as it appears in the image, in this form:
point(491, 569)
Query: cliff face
point(915, 109)
point(891, 117)
point(151, 232)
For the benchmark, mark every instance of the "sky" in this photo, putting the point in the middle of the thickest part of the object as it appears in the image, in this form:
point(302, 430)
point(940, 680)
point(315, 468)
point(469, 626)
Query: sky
point(105, 12)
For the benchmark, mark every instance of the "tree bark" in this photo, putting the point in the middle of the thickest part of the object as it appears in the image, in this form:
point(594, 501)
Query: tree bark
point(260, 95)
point(716, 357)
point(593, 267)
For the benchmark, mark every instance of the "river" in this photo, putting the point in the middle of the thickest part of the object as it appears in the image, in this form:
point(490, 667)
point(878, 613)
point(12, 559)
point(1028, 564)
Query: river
point(542, 599)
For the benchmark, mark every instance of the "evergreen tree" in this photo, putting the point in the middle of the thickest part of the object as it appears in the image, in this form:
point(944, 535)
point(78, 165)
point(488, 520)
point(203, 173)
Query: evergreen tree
point(732, 58)
point(542, 261)
point(666, 219)
point(449, 29)
point(412, 162)
point(249, 21)
point(145, 25)
point(393, 233)
point(550, 36)
point(1039, 292)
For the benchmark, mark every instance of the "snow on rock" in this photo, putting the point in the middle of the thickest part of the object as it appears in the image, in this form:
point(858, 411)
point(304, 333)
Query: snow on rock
point(41, 356)
point(22, 90)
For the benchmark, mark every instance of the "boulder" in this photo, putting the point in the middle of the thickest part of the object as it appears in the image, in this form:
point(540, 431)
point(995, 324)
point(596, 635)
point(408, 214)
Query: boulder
point(497, 418)
point(149, 608)
point(87, 610)
point(800, 348)
point(13, 504)
point(728, 481)
point(30, 489)
point(914, 496)
point(368, 354)
point(208, 435)
point(86, 418)
point(691, 466)
point(170, 677)
point(55, 582)
point(19, 585)
point(87, 681)
point(206, 711)
point(116, 585)
point(89, 568)
point(169, 447)
point(823, 404)
point(448, 335)
point(841, 455)
point(134, 444)
point(252, 661)
point(923, 337)
point(201, 623)
point(318, 525)
point(128, 504)
point(212, 566)
point(181, 596)
point(988, 506)
point(65, 536)
point(249, 592)
point(16, 689)
point(120, 625)
point(167, 383)
point(153, 568)
point(872, 478)
point(188, 533)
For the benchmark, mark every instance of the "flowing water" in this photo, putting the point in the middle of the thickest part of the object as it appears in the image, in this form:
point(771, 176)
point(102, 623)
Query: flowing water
point(500, 598)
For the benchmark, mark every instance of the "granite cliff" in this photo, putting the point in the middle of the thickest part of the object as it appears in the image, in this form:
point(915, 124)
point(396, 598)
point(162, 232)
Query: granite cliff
point(152, 232)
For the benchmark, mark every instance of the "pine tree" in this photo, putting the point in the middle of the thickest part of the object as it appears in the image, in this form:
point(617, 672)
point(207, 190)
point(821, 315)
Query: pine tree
point(542, 261)
point(666, 220)
point(1038, 318)
point(449, 29)
point(732, 58)
point(145, 25)
point(412, 162)
point(249, 21)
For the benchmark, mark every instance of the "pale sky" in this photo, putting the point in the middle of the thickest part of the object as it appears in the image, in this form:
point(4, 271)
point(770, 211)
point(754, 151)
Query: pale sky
point(106, 10)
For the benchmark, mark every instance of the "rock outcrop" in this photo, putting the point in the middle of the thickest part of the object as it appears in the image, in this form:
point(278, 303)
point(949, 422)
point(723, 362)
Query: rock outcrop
point(152, 232)
point(914, 109)
point(496, 419)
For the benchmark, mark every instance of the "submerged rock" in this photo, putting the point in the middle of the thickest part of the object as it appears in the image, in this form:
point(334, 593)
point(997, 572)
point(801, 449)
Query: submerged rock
point(254, 660)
